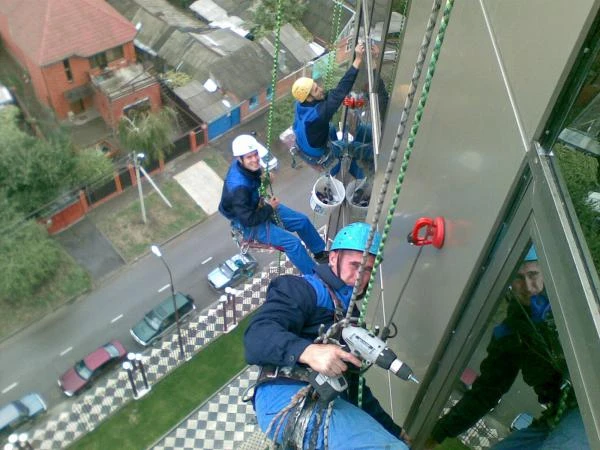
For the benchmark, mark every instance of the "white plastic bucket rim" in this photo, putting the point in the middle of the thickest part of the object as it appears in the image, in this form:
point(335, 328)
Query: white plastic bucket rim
point(338, 192)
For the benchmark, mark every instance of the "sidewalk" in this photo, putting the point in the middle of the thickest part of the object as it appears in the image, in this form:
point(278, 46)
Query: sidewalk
point(222, 423)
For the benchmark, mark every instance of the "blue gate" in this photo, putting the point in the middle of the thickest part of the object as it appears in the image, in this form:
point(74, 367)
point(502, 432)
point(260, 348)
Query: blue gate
point(223, 124)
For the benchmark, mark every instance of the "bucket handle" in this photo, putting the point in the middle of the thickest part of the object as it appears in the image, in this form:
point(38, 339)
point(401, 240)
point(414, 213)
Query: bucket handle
point(337, 191)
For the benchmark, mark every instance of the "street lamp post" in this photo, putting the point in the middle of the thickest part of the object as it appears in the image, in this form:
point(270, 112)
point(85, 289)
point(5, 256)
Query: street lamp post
point(24, 441)
point(231, 293)
point(129, 368)
point(223, 301)
point(158, 253)
point(136, 162)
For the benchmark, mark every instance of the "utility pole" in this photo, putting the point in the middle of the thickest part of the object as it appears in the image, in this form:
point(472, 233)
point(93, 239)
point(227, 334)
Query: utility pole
point(136, 162)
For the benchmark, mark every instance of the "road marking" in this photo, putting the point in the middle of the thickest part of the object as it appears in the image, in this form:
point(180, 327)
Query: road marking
point(164, 287)
point(65, 351)
point(207, 260)
point(8, 388)
point(116, 318)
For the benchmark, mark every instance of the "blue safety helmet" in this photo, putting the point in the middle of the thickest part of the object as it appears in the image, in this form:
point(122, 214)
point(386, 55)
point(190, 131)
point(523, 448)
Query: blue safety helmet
point(531, 254)
point(355, 237)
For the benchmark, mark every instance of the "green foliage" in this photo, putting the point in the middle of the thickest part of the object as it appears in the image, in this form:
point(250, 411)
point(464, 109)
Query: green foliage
point(265, 16)
point(175, 79)
point(91, 165)
point(33, 171)
point(27, 256)
point(149, 133)
point(580, 173)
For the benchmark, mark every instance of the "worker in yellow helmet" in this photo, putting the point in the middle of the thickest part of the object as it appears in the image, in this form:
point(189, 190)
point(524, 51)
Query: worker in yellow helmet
point(314, 110)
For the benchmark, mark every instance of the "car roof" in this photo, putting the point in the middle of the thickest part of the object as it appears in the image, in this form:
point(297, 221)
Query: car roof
point(8, 413)
point(98, 357)
point(165, 308)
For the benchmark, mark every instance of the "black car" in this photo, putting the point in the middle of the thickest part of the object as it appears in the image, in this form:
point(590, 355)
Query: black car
point(160, 320)
point(232, 271)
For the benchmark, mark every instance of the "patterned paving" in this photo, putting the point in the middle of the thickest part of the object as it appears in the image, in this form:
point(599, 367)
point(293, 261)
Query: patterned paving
point(88, 410)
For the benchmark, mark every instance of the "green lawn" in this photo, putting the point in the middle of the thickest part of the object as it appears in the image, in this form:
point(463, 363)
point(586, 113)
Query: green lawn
point(133, 238)
point(140, 423)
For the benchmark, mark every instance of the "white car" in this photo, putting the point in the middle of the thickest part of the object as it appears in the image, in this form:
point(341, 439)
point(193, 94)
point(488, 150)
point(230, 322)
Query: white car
point(267, 158)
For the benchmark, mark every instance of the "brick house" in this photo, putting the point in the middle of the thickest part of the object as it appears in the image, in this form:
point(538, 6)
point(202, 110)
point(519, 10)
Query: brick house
point(79, 55)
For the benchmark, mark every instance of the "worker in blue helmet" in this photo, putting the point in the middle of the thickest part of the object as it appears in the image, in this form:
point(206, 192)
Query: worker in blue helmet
point(280, 339)
point(525, 342)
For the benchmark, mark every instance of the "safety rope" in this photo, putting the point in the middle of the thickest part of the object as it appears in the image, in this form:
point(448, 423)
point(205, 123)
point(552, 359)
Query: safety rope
point(274, 72)
point(407, 152)
point(337, 18)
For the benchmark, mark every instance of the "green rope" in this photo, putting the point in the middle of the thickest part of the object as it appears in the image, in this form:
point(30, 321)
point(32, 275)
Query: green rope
point(404, 166)
point(266, 183)
point(337, 18)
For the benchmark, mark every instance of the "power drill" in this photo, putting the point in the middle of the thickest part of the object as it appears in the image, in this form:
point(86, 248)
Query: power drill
point(373, 350)
point(368, 347)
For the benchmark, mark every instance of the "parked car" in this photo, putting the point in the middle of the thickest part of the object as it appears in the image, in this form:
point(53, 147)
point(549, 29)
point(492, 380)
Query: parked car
point(16, 413)
point(6, 98)
point(81, 375)
point(232, 271)
point(267, 158)
point(160, 320)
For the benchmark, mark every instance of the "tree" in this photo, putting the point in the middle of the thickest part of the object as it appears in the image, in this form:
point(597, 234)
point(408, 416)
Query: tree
point(28, 257)
point(150, 133)
point(265, 16)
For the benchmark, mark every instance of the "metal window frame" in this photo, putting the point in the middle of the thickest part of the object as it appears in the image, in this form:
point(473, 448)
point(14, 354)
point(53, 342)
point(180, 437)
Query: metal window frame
point(542, 216)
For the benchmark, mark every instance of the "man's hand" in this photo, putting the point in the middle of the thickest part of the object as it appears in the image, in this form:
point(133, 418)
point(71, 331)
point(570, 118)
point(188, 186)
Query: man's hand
point(328, 359)
point(405, 437)
point(274, 202)
point(359, 51)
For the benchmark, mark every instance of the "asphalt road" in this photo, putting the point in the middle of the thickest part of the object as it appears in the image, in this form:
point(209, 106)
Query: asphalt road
point(33, 359)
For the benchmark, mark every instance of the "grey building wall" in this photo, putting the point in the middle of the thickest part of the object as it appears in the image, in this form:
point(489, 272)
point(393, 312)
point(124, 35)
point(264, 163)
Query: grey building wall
point(499, 72)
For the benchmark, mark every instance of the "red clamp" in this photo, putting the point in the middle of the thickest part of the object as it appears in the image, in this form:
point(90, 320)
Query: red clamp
point(354, 102)
point(434, 232)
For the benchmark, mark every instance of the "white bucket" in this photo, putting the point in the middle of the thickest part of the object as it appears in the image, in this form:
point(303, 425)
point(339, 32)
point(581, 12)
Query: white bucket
point(358, 212)
point(329, 187)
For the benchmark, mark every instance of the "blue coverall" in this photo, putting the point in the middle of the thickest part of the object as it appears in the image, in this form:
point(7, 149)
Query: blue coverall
point(240, 203)
point(282, 328)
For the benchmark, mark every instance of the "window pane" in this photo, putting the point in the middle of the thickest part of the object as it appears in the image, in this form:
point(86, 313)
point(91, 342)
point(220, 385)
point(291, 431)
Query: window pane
point(517, 376)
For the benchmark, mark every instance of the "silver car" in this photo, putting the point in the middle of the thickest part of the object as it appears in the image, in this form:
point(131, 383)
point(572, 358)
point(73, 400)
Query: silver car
point(17, 412)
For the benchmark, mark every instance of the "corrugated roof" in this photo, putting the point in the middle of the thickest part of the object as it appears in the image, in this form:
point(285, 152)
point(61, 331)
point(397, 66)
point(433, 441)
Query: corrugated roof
point(52, 30)
point(206, 105)
point(244, 73)
point(296, 45)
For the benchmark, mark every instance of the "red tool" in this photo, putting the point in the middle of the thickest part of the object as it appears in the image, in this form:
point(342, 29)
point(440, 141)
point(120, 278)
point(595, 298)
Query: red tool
point(434, 230)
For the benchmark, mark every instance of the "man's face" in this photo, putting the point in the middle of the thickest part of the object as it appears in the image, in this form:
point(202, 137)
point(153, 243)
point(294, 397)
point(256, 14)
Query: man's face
point(528, 282)
point(317, 92)
point(345, 264)
point(251, 161)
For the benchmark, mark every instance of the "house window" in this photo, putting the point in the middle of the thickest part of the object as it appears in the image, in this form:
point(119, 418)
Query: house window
point(253, 103)
point(140, 107)
point(349, 43)
point(114, 54)
point(99, 60)
point(68, 73)
point(103, 58)
point(269, 93)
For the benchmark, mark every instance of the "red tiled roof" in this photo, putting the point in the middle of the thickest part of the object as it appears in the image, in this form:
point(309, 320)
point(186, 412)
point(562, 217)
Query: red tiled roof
point(52, 30)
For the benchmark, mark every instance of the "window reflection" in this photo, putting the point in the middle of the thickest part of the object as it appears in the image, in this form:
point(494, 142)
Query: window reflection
point(515, 392)
point(577, 151)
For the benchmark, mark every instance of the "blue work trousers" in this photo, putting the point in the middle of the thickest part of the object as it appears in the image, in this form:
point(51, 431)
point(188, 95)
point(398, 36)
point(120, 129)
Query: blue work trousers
point(350, 428)
point(568, 434)
point(295, 222)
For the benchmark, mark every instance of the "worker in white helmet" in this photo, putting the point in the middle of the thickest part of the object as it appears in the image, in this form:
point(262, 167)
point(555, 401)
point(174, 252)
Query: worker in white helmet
point(242, 204)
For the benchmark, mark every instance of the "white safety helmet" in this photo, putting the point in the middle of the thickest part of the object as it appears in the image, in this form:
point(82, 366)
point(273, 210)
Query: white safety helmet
point(244, 144)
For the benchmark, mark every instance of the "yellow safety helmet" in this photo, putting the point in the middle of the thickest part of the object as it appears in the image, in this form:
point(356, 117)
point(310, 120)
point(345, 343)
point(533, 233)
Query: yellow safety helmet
point(301, 88)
